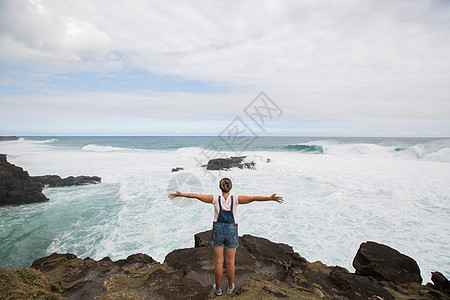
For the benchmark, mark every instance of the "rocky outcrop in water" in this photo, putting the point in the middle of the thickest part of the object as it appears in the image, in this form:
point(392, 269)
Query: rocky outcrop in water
point(264, 269)
point(8, 138)
point(57, 181)
point(16, 185)
point(228, 163)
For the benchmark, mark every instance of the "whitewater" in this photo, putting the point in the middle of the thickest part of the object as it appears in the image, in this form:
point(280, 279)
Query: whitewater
point(339, 193)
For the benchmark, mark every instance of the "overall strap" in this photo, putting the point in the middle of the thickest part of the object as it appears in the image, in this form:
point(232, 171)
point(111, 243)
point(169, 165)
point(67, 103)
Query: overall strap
point(226, 216)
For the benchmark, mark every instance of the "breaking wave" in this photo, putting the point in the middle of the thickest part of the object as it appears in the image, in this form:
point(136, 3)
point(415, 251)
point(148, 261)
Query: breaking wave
point(305, 148)
point(431, 151)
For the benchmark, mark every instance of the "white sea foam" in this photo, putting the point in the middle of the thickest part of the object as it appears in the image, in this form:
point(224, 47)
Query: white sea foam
point(38, 141)
point(334, 201)
point(97, 148)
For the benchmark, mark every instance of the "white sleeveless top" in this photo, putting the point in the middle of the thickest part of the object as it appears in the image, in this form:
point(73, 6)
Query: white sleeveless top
point(226, 205)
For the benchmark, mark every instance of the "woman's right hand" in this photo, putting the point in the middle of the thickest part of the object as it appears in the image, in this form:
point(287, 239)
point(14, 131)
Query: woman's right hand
point(176, 194)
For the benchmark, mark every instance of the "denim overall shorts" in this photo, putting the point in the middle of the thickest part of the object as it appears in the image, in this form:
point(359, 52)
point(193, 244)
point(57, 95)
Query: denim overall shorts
point(225, 230)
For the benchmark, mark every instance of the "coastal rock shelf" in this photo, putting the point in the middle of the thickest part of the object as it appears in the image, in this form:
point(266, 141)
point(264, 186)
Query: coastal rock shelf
point(57, 181)
point(264, 269)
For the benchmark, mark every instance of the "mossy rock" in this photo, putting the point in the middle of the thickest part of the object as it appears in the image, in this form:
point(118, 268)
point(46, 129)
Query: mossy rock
point(26, 284)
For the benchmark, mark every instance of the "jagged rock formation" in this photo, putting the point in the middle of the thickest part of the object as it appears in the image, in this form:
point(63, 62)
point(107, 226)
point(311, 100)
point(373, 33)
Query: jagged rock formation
point(264, 269)
point(228, 163)
point(57, 181)
point(16, 185)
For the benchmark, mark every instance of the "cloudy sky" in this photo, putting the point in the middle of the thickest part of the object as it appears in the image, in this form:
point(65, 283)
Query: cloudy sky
point(138, 67)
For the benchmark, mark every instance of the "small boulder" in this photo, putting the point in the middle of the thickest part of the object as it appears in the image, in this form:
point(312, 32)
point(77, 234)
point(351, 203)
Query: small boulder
point(386, 263)
point(177, 169)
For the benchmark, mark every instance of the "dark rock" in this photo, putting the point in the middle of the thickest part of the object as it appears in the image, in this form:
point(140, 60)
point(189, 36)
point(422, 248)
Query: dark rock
point(57, 181)
point(201, 239)
point(177, 169)
point(8, 138)
point(45, 264)
point(383, 262)
point(228, 163)
point(193, 263)
point(254, 255)
point(166, 284)
point(278, 293)
point(87, 279)
point(137, 261)
point(357, 287)
point(16, 185)
point(437, 296)
point(135, 276)
point(440, 282)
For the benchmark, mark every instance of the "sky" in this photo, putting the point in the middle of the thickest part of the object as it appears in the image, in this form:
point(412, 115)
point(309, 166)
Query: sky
point(139, 67)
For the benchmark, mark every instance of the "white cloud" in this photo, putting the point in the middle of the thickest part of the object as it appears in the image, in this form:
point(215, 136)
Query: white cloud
point(374, 59)
point(34, 34)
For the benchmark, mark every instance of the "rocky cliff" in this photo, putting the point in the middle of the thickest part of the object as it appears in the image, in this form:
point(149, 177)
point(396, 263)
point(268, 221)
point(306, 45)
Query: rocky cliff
point(16, 185)
point(264, 270)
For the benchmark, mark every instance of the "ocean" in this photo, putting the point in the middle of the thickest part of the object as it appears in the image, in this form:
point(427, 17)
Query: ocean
point(338, 192)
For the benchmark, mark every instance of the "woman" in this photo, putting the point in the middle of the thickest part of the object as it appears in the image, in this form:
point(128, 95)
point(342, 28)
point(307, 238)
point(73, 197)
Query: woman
point(225, 227)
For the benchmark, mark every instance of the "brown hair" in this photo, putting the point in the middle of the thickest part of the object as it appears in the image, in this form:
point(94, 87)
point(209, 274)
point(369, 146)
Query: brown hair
point(225, 185)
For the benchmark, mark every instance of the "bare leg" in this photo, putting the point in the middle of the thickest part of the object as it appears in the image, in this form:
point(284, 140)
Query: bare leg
point(218, 265)
point(229, 260)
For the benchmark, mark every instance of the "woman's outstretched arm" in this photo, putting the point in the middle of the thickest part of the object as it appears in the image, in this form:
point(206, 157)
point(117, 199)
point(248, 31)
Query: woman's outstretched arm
point(249, 199)
point(201, 197)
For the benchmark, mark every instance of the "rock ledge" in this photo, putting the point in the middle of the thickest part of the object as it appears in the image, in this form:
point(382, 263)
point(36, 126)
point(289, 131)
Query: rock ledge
point(264, 269)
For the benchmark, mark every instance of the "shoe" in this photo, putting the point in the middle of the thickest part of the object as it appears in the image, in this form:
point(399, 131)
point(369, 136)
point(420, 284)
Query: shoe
point(229, 291)
point(217, 292)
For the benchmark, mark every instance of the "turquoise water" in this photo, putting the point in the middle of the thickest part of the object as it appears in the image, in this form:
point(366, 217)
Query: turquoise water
point(339, 192)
